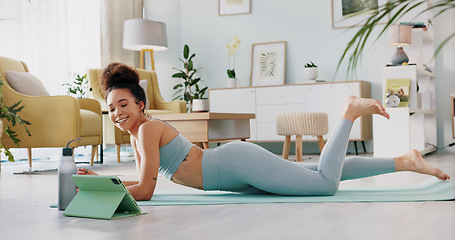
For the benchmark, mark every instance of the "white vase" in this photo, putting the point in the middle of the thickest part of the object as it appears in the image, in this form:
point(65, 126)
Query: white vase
point(232, 82)
point(201, 105)
point(310, 73)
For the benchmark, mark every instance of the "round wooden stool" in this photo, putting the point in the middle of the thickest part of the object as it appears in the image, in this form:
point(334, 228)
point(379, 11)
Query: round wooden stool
point(298, 124)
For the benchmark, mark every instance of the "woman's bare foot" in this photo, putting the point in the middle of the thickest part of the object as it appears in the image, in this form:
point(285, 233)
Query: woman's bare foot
point(355, 107)
point(413, 161)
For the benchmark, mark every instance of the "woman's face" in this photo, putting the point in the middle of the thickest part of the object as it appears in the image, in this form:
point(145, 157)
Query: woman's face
point(124, 112)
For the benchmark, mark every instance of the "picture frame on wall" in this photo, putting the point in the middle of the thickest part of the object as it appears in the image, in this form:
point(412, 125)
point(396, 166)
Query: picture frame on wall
point(345, 13)
point(233, 7)
point(268, 63)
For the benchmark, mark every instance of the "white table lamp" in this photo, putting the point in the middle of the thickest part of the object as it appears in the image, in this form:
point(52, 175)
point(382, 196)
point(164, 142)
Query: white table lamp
point(400, 35)
point(146, 36)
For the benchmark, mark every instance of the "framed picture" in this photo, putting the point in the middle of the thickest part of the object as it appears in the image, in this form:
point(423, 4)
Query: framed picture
point(268, 63)
point(351, 13)
point(231, 7)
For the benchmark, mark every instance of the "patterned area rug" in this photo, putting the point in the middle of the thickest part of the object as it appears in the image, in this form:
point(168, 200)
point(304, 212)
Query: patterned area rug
point(39, 172)
point(126, 167)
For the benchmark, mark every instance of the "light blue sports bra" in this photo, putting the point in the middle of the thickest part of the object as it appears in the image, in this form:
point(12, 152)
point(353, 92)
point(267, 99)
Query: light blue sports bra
point(173, 154)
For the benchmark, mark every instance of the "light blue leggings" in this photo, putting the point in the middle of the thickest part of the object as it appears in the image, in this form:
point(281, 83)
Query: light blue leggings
point(246, 167)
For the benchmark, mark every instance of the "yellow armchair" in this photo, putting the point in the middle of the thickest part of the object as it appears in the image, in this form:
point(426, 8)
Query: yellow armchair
point(55, 120)
point(157, 105)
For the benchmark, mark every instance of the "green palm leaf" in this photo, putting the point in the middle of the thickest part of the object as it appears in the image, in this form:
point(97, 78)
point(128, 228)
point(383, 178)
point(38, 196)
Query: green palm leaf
point(395, 9)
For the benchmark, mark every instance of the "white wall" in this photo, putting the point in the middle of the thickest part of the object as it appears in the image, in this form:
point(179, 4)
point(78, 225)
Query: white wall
point(169, 13)
point(305, 25)
point(445, 80)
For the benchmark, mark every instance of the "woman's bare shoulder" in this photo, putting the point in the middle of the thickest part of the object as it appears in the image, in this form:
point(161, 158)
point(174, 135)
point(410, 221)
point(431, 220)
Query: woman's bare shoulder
point(157, 129)
point(155, 124)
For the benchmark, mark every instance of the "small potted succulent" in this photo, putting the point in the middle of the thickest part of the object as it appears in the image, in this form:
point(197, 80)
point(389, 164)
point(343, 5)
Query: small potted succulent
point(311, 71)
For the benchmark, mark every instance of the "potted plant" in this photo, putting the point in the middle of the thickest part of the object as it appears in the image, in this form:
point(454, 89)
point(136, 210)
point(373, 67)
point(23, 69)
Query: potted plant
point(78, 87)
point(310, 71)
point(233, 46)
point(189, 89)
point(11, 115)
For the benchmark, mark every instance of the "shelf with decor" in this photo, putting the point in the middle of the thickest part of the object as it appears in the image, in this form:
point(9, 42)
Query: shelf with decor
point(410, 127)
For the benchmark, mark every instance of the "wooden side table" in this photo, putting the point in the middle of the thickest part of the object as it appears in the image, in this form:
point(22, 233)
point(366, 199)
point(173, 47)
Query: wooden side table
point(210, 127)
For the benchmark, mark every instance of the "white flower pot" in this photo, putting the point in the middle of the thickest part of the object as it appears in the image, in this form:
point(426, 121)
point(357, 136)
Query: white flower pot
point(232, 82)
point(201, 105)
point(310, 73)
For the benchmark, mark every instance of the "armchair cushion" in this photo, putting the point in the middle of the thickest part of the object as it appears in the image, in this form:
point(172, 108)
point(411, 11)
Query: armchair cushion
point(143, 84)
point(26, 83)
point(87, 127)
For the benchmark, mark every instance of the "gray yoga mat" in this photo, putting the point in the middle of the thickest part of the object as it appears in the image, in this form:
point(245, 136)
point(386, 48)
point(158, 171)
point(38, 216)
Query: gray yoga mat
point(429, 190)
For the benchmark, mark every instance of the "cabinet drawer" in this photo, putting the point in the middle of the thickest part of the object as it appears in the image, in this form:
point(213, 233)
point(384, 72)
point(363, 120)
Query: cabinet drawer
point(268, 113)
point(241, 100)
point(280, 95)
point(267, 132)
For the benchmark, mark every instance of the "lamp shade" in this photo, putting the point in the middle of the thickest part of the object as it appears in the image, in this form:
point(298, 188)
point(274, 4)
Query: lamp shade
point(141, 34)
point(400, 35)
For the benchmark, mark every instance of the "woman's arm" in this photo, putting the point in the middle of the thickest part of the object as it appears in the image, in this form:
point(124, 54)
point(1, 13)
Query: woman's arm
point(147, 151)
point(130, 183)
point(85, 171)
point(137, 159)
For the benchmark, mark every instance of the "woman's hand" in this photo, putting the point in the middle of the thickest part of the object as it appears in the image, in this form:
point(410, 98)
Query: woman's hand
point(85, 171)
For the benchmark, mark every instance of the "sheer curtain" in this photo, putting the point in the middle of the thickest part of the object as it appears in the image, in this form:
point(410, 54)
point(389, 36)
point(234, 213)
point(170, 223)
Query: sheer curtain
point(59, 38)
point(113, 14)
point(56, 38)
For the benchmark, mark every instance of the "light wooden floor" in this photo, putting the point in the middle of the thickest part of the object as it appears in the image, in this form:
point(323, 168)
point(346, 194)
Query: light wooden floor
point(25, 213)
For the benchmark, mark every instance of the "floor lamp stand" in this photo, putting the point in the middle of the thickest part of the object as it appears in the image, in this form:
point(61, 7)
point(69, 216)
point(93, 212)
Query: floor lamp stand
point(152, 59)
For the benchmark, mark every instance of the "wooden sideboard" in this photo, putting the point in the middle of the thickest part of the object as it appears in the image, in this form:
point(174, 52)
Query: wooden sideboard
point(267, 101)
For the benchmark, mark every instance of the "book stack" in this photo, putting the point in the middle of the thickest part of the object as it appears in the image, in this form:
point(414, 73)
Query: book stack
point(415, 25)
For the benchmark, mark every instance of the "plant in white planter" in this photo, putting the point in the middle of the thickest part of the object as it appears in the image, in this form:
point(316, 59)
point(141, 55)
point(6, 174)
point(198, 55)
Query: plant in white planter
point(189, 89)
point(201, 105)
point(311, 71)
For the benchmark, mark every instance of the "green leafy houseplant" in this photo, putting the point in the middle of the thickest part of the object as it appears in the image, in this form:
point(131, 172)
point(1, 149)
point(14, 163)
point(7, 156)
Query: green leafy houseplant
point(188, 89)
point(395, 9)
point(12, 116)
point(77, 88)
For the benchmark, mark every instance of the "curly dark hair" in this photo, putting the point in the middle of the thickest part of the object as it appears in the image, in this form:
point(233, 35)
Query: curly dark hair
point(121, 76)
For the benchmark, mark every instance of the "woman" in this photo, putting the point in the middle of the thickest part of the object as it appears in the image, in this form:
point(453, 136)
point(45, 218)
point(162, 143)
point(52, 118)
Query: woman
point(239, 166)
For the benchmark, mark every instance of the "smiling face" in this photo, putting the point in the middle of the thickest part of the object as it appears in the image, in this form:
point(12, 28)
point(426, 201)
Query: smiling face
point(124, 111)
